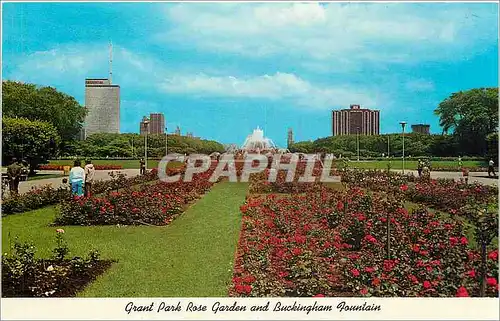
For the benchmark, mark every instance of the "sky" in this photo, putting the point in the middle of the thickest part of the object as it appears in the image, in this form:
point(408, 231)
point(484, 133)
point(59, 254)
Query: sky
point(219, 70)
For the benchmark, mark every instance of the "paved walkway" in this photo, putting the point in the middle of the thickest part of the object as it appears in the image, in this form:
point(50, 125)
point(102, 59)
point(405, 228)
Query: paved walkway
point(481, 177)
point(56, 182)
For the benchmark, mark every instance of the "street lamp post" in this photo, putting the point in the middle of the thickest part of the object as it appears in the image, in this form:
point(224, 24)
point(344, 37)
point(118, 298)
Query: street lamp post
point(357, 141)
point(388, 144)
point(146, 129)
point(403, 124)
point(166, 141)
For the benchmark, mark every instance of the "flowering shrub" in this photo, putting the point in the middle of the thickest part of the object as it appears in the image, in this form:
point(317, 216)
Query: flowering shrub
point(23, 275)
point(336, 244)
point(53, 167)
point(156, 204)
point(448, 195)
point(34, 199)
point(259, 182)
point(48, 195)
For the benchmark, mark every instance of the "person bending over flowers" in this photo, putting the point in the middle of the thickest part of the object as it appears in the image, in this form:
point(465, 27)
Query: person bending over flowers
point(76, 178)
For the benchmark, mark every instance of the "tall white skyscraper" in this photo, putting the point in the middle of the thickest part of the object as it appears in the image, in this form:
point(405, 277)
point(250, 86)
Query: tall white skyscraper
point(102, 101)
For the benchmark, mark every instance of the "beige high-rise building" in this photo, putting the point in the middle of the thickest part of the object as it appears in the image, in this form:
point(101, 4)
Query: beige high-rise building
point(102, 101)
point(355, 120)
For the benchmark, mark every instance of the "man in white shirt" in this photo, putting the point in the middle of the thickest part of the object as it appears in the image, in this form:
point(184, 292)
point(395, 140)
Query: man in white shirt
point(77, 178)
point(89, 177)
point(491, 169)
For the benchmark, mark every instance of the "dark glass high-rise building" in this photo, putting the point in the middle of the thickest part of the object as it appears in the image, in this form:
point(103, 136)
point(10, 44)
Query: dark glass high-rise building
point(421, 129)
point(156, 124)
point(355, 119)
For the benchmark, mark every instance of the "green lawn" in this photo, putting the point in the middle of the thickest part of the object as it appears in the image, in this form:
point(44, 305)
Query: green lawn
point(126, 164)
point(43, 176)
point(412, 164)
point(193, 256)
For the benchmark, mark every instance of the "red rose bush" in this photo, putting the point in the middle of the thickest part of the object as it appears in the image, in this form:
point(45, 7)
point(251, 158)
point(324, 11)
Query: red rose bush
point(355, 243)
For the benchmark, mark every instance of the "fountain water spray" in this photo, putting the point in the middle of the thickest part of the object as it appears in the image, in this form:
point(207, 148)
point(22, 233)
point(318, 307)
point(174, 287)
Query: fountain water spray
point(257, 141)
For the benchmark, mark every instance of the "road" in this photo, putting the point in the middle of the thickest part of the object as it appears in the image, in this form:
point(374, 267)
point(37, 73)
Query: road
point(56, 182)
point(480, 177)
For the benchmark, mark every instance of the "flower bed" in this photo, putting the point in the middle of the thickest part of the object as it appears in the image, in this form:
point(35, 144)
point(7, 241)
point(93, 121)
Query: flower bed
point(443, 194)
point(25, 276)
point(53, 167)
point(156, 204)
point(259, 183)
point(449, 196)
point(48, 195)
point(334, 244)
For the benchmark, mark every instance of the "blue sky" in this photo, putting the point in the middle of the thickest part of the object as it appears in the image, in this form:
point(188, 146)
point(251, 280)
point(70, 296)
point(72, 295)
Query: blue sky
point(221, 69)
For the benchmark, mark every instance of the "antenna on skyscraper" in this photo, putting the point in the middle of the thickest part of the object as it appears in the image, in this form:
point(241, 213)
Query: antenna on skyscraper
point(110, 61)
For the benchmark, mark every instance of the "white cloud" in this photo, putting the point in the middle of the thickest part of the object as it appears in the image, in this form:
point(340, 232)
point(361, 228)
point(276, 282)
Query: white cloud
point(279, 86)
point(359, 32)
point(420, 85)
point(73, 63)
point(67, 67)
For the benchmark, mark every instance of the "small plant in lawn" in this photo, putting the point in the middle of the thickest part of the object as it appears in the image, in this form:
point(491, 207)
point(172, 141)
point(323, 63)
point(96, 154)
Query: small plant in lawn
point(25, 276)
point(61, 249)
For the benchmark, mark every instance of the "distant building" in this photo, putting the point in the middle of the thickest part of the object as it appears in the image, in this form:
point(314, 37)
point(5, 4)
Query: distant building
point(143, 128)
point(102, 101)
point(355, 119)
point(290, 137)
point(177, 131)
point(421, 129)
point(156, 123)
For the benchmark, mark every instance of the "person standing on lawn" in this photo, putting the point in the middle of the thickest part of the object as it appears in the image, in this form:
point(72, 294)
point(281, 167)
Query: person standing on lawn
point(77, 178)
point(420, 166)
point(14, 171)
point(491, 169)
point(143, 166)
point(89, 177)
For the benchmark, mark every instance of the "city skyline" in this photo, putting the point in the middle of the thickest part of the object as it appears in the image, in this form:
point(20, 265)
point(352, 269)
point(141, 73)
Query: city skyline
point(279, 66)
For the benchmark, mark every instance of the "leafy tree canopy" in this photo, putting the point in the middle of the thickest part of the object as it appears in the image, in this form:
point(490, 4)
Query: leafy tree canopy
point(34, 141)
point(471, 115)
point(43, 104)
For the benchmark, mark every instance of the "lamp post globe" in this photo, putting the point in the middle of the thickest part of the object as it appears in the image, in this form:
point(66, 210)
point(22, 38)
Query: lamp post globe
point(403, 124)
point(146, 130)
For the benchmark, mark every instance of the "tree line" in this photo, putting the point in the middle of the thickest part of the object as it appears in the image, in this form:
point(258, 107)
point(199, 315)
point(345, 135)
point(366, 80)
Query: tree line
point(469, 120)
point(39, 123)
point(132, 145)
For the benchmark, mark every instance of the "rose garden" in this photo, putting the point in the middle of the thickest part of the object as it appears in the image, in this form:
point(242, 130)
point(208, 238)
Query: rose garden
point(375, 233)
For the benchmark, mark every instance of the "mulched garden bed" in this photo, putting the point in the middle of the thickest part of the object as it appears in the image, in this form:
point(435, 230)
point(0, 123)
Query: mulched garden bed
point(50, 278)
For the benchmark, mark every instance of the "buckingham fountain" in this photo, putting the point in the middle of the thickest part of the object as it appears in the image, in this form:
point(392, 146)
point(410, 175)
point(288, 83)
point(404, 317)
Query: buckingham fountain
point(256, 141)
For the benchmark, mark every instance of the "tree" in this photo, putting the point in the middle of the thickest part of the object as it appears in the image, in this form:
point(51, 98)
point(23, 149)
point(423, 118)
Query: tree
point(471, 115)
point(44, 104)
point(34, 141)
point(492, 141)
point(132, 145)
point(302, 147)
